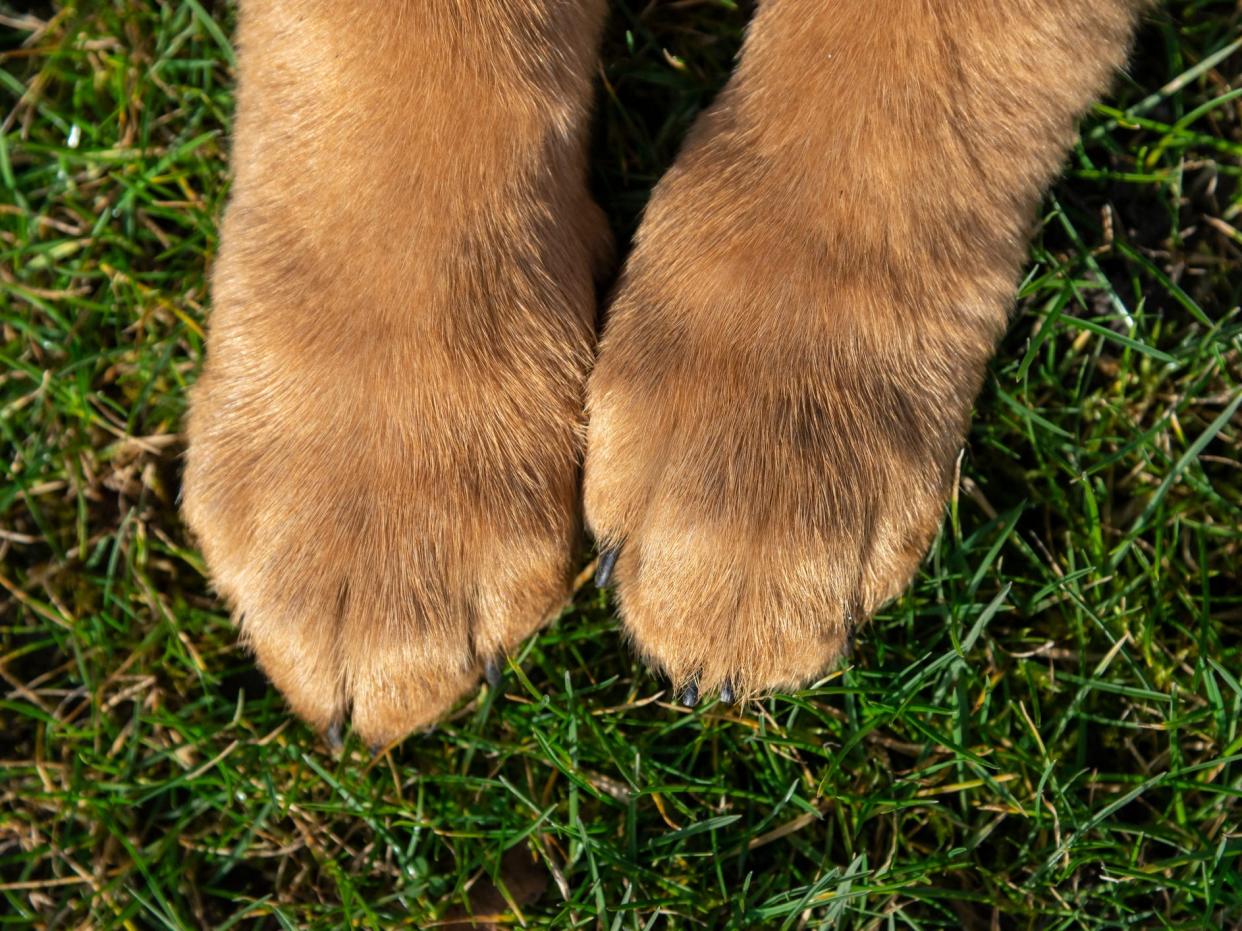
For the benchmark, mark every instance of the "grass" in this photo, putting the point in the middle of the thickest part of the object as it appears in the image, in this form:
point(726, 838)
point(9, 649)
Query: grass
point(1045, 732)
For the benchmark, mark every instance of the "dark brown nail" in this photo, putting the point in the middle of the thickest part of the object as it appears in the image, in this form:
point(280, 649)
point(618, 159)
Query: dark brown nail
point(603, 570)
point(332, 736)
point(492, 673)
point(690, 696)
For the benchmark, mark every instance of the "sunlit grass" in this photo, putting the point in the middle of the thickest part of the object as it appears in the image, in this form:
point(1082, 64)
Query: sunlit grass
point(1045, 732)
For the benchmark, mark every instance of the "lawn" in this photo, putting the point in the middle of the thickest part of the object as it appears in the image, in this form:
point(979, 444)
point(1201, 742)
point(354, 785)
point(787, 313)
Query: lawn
point(1046, 731)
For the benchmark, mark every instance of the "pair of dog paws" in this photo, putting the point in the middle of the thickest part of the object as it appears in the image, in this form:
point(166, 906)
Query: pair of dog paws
point(386, 449)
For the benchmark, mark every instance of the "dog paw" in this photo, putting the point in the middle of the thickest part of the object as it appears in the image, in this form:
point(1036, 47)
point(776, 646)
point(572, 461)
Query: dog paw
point(386, 525)
point(383, 467)
point(385, 442)
point(775, 419)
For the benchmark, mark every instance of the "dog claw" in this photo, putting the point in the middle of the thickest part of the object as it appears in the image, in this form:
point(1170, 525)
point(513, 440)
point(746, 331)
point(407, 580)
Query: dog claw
point(332, 736)
point(491, 672)
point(690, 695)
point(851, 633)
point(726, 692)
point(603, 569)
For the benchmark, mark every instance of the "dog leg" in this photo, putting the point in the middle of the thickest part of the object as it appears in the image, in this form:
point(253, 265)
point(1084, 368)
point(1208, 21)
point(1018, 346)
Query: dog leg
point(385, 440)
point(787, 372)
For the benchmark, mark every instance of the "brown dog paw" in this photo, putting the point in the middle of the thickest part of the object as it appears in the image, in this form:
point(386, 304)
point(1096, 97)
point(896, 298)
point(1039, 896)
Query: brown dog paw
point(385, 442)
point(756, 520)
point(774, 424)
point(786, 376)
point(387, 523)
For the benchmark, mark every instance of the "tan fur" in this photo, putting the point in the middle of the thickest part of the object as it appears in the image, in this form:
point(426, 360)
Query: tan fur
point(787, 372)
point(386, 438)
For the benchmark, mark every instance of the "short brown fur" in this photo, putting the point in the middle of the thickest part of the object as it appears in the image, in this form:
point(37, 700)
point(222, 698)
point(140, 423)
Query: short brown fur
point(386, 439)
point(385, 442)
point(803, 325)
